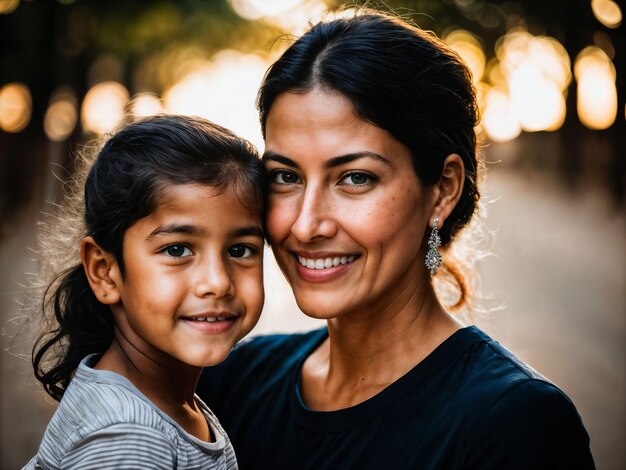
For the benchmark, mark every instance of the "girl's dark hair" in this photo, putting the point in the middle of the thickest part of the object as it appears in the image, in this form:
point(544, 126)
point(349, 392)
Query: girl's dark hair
point(124, 185)
point(401, 79)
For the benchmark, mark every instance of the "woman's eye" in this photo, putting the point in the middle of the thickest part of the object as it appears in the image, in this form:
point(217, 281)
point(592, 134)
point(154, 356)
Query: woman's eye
point(356, 179)
point(284, 177)
point(240, 251)
point(177, 251)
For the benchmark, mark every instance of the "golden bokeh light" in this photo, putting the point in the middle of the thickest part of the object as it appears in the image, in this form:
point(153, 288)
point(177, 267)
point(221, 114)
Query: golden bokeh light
point(534, 73)
point(145, 104)
point(292, 16)
point(61, 116)
point(607, 12)
point(596, 91)
point(499, 119)
point(551, 58)
point(538, 102)
point(257, 9)
point(469, 48)
point(297, 21)
point(15, 107)
point(208, 92)
point(8, 6)
point(103, 107)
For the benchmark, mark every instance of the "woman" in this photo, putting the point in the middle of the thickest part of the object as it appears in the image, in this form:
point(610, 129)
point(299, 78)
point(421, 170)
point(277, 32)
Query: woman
point(370, 150)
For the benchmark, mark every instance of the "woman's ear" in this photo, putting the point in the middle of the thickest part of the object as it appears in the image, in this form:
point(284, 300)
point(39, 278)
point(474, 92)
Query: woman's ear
point(449, 188)
point(102, 271)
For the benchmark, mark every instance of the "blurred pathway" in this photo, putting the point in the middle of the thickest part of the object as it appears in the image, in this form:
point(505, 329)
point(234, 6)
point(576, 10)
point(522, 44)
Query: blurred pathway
point(559, 270)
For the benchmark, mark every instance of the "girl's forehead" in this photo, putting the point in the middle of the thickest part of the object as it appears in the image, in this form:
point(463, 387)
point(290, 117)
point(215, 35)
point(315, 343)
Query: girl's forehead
point(197, 209)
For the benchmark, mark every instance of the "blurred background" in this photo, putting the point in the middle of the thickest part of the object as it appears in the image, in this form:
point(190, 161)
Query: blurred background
point(550, 76)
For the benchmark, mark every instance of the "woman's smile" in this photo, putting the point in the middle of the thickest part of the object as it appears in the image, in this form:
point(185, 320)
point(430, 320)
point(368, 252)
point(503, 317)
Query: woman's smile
point(346, 211)
point(323, 268)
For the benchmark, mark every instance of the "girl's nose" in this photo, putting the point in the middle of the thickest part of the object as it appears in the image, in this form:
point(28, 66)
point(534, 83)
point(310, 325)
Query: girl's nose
point(315, 217)
point(214, 279)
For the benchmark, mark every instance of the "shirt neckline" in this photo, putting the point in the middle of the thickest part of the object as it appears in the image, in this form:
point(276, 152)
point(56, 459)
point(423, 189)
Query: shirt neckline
point(87, 373)
point(343, 419)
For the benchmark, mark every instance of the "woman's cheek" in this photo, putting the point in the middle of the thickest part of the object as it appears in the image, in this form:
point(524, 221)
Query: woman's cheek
point(280, 219)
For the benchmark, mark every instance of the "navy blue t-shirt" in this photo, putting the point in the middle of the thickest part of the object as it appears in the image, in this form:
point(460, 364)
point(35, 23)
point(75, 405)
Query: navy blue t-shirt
point(470, 404)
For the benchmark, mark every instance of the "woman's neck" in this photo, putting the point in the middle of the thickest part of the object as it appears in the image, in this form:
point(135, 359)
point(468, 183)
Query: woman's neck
point(365, 353)
point(169, 384)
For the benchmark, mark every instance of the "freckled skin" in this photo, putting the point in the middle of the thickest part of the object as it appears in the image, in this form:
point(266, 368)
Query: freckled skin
point(381, 222)
point(159, 290)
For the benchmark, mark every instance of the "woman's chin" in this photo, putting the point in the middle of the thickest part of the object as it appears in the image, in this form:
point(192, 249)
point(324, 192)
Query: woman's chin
point(320, 311)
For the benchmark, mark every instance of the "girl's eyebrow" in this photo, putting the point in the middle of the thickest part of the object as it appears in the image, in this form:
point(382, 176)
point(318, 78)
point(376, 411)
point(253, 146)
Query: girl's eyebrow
point(172, 228)
point(330, 163)
point(252, 230)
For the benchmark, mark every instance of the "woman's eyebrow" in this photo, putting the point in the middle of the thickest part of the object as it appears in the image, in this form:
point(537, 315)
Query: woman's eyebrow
point(330, 163)
point(271, 156)
point(350, 157)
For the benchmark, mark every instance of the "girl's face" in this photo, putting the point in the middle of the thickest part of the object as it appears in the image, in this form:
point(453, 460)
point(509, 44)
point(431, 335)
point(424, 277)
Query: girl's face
point(194, 282)
point(347, 214)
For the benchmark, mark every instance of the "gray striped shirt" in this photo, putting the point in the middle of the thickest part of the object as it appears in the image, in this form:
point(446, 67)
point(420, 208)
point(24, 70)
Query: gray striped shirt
point(105, 422)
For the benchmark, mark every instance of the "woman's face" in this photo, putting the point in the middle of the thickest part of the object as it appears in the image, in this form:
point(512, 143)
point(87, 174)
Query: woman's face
point(347, 214)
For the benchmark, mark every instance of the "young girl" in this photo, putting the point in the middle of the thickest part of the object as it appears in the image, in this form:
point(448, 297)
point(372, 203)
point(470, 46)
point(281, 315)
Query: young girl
point(170, 280)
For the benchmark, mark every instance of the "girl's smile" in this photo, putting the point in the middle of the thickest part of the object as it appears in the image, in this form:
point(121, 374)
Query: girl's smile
point(192, 285)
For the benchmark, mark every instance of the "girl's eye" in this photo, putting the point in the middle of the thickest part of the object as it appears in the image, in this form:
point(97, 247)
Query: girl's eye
point(284, 177)
point(240, 251)
point(177, 251)
point(357, 179)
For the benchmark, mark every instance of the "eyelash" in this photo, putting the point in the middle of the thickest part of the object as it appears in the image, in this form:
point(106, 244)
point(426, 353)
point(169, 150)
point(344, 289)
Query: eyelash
point(251, 251)
point(167, 248)
point(274, 175)
point(370, 178)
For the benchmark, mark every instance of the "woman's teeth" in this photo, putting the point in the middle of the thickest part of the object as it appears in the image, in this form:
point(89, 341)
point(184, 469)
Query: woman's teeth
point(208, 319)
point(324, 263)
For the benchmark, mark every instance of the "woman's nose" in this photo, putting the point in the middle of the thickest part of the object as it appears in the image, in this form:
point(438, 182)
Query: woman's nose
point(315, 217)
point(213, 279)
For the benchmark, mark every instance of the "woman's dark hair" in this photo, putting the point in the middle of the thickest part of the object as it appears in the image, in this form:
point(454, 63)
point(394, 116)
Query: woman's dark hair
point(124, 185)
point(401, 79)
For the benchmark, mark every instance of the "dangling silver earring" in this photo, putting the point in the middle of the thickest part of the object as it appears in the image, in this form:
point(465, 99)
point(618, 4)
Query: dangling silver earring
point(433, 257)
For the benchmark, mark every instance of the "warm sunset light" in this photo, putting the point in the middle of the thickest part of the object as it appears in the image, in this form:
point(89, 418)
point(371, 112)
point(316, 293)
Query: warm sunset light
point(8, 6)
point(61, 116)
point(208, 92)
point(292, 16)
point(145, 104)
point(15, 107)
point(257, 9)
point(103, 107)
point(531, 75)
point(499, 119)
point(470, 50)
point(607, 12)
point(537, 101)
point(596, 91)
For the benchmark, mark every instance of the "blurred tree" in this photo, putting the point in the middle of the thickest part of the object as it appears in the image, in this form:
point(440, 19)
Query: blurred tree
point(47, 44)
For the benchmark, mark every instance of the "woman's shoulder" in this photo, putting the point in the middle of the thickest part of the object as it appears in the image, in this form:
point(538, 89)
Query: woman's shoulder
point(507, 401)
point(492, 367)
point(533, 424)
